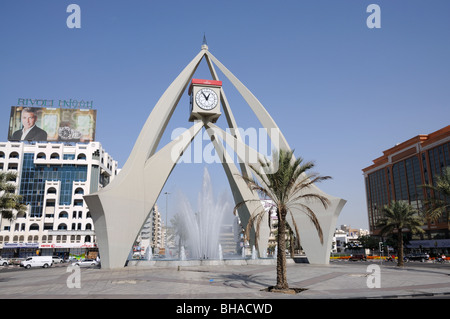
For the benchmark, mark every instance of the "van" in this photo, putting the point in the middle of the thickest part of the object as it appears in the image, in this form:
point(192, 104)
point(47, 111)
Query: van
point(37, 261)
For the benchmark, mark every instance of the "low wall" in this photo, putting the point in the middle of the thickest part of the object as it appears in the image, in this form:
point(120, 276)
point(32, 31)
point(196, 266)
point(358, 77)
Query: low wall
point(207, 262)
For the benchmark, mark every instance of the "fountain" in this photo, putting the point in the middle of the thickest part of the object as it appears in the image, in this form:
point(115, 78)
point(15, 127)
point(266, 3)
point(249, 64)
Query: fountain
point(182, 253)
point(254, 254)
point(220, 252)
point(148, 253)
point(202, 229)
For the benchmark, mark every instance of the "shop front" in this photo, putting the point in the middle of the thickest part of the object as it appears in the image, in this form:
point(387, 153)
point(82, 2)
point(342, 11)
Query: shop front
point(20, 250)
point(69, 251)
point(431, 246)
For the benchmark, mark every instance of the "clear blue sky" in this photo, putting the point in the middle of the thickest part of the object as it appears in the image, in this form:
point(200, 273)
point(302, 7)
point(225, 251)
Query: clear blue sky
point(340, 92)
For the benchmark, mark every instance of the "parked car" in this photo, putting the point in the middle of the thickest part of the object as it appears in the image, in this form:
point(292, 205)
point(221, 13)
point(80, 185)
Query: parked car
point(358, 257)
point(420, 256)
point(86, 263)
point(4, 262)
point(57, 260)
point(37, 261)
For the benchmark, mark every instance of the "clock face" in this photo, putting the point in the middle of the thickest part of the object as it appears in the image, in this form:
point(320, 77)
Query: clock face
point(206, 99)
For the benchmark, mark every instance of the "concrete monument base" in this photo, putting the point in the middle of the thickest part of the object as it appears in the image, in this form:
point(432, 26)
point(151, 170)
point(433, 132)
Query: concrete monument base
point(207, 262)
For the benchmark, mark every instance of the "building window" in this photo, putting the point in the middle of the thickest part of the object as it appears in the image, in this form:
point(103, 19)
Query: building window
point(78, 202)
point(69, 156)
point(34, 176)
point(63, 215)
point(14, 155)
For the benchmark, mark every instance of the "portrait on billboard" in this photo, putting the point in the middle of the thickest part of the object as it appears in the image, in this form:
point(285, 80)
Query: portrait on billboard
point(51, 124)
point(29, 130)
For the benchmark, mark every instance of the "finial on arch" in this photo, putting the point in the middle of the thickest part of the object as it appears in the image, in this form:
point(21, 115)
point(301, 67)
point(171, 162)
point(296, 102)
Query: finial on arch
point(204, 43)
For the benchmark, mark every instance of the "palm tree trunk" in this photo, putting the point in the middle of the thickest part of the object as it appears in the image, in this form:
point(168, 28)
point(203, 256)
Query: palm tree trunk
point(400, 248)
point(281, 254)
point(292, 244)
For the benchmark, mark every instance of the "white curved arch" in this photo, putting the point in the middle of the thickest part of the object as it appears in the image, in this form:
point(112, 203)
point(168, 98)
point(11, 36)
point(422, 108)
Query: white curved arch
point(120, 209)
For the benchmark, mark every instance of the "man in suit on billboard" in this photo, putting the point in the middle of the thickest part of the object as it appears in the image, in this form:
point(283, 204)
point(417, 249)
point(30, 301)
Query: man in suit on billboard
point(29, 132)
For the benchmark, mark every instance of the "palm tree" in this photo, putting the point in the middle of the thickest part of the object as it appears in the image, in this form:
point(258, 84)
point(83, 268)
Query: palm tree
point(288, 188)
point(9, 201)
point(439, 202)
point(399, 216)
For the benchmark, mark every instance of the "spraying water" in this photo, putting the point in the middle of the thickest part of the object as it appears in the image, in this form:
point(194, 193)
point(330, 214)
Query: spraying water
point(202, 228)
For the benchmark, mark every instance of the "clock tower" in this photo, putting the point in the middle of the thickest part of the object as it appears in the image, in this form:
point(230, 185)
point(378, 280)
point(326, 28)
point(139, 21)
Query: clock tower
point(204, 100)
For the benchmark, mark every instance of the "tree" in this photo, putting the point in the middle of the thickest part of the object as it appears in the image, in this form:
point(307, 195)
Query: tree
point(288, 188)
point(9, 201)
point(439, 200)
point(293, 240)
point(398, 217)
point(369, 242)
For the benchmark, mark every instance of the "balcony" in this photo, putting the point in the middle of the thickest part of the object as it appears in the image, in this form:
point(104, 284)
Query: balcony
point(68, 232)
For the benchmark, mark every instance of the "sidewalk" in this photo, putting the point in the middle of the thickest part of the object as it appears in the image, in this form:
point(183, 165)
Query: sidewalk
point(339, 280)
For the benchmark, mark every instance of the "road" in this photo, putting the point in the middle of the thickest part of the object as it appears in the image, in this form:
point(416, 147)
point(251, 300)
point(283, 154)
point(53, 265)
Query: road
point(15, 268)
point(427, 264)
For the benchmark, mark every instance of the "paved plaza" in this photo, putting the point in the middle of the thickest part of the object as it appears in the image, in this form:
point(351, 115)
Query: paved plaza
point(339, 280)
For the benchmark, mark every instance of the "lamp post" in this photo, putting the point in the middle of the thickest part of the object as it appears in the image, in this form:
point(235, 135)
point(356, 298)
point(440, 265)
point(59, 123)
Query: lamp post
point(167, 214)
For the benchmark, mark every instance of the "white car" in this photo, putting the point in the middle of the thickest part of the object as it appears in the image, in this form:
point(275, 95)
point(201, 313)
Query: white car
point(4, 262)
point(37, 261)
point(86, 263)
point(57, 260)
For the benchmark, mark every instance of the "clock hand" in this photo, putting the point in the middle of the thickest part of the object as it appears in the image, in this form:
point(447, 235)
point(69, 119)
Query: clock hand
point(207, 97)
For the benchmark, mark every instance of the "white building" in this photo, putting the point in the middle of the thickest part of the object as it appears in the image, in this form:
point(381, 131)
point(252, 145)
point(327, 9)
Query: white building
point(52, 179)
point(345, 236)
point(152, 234)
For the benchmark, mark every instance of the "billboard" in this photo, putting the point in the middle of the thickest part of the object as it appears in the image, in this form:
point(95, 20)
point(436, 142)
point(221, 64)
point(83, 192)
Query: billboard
point(51, 124)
